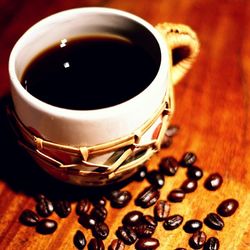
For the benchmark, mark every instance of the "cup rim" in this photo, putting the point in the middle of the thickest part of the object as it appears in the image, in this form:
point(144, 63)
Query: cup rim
point(94, 113)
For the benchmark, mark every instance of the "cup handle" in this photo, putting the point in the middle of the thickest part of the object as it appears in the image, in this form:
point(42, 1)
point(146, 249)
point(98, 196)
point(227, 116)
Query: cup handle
point(184, 47)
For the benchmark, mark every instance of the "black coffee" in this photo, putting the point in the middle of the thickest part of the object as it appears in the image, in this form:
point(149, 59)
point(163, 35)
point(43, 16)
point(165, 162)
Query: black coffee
point(90, 72)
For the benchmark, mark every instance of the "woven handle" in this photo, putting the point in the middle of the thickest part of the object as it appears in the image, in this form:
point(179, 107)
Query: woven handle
point(184, 47)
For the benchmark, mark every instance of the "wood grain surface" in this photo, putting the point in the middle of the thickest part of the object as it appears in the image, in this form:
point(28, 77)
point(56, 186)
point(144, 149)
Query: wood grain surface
point(212, 110)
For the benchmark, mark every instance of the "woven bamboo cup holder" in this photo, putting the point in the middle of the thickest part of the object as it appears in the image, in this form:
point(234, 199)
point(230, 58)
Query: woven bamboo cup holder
point(128, 153)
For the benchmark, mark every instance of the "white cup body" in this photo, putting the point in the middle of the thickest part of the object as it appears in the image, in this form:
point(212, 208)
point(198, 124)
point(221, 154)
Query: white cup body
point(88, 127)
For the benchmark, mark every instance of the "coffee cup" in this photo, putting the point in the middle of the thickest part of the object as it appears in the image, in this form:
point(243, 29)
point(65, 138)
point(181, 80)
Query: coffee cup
point(105, 143)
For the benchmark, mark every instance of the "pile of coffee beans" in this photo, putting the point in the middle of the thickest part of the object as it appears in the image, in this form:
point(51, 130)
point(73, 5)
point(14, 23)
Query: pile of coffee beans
point(137, 228)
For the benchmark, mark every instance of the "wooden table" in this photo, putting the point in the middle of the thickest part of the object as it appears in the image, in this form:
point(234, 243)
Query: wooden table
point(212, 109)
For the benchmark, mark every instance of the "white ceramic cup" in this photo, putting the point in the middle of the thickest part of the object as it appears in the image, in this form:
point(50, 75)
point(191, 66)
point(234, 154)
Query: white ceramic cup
point(86, 128)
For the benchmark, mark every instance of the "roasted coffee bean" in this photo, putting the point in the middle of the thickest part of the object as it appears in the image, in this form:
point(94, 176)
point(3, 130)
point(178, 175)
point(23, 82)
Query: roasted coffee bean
point(172, 222)
point(29, 218)
point(197, 240)
point(167, 141)
point(147, 227)
point(172, 130)
point(194, 172)
point(113, 194)
point(126, 234)
point(156, 178)
point(99, 201)
point(189, 185)
point(145, 230)
point(87, 221)
point(96, 244)
point(62, 208)
point(192, 226)
point(44, 207)
point(169, 166)
point(116, 244)
point(161, 210)
point(46, 226)
point(227, 207)
point(212, 244)
point(100, 230)
point(141, 173)
point(99, 213)
point(149, 220)
point(147, 244)
point(176, 195)
point(79, 240)
point(119, 198)
point(39, 197)
point(214, 221)
point(83, 206)
point(188, 159)
point(148, 197)
point(132, 218)
point(213, 182)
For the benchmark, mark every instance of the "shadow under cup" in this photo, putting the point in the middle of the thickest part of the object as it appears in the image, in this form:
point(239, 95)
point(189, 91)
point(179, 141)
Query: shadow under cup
point(91, 147)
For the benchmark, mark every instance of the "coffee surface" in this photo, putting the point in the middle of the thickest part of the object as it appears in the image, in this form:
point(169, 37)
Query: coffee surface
point(89, 73)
